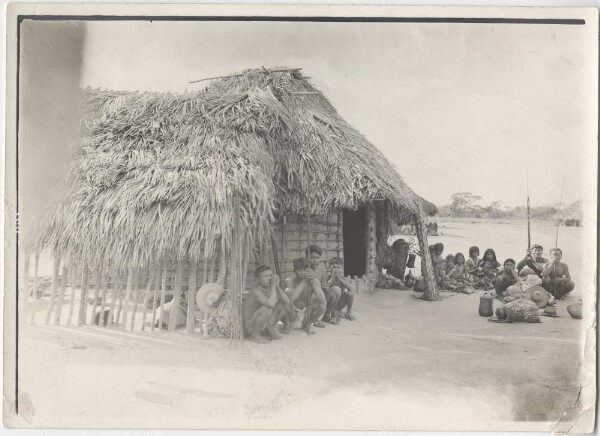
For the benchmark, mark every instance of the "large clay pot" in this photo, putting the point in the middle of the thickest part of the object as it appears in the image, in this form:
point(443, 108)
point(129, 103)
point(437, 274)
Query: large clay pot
point(576, 310)
point(486, 305)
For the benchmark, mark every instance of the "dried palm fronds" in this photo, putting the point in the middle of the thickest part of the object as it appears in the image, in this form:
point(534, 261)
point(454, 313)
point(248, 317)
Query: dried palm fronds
point(157, 173)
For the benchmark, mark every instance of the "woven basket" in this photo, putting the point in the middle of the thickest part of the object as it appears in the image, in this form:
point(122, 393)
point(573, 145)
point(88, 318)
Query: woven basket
point(522, 311)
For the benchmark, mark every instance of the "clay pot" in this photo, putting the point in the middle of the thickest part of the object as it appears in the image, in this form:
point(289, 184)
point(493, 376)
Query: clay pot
point(501, 313)
point(576, 310)
point(486, 305)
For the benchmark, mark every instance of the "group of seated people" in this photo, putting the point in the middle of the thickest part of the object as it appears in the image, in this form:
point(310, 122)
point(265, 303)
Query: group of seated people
point(312, 292)
point(454, 272)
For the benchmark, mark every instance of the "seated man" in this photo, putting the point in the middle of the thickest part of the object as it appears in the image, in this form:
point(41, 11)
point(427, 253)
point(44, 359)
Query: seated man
point(297, 289)
point(534, 263)
point(556, 278)
point(338, 280)
point(264, 306)
point(318, 271)
point(505, 278)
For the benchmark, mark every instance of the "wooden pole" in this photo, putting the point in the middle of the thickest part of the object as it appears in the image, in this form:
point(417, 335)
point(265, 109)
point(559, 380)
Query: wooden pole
point(155, 298)
point(72, 295)
point(136, 297)
point(114, 296)
point(222, 264)
point(61, 295)
point(152, 275)
point(163, 295)
point(104, 288)
point(431, 292)
point(191, 300)
point(130, 279)
point(97, 287)
point(176, 302)
point(55, 282)
point(81, 320)
point(310, 289)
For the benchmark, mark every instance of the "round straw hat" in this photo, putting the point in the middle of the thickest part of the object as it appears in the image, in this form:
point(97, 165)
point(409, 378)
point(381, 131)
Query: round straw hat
point(207, 297)
point(538, 295)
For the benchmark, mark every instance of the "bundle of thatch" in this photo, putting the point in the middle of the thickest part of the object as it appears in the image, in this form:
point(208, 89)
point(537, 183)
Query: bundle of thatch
point(161, 174)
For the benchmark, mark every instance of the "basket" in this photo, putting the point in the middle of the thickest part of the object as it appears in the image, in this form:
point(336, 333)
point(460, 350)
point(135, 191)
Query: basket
point(522, 311)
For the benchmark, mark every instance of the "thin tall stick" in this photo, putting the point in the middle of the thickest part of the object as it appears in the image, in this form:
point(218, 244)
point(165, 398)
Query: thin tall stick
point(176, 302)
point(114, 297)
point(163, 295)
point(61, 295)
point(84, 295)
point(310, 289)
point(97, 287)
point(72, 295)
point(560, 211)
point(55, 284)
point(151, 283)
point(130, 279)
point(104, 289)
point(136, 297)
point(154, 299)
point(191, 300)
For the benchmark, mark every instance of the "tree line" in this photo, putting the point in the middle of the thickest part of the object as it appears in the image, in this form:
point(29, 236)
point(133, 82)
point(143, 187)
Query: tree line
point(468, 205)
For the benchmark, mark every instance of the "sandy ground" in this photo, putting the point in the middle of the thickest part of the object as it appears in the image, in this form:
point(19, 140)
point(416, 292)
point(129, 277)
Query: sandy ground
point(403, 364)
point(402, 360)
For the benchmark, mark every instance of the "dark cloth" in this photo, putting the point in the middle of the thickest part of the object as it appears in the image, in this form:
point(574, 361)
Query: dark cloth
point(537, 265)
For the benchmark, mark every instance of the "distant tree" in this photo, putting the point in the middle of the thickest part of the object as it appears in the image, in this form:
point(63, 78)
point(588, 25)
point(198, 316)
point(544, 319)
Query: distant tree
point(463, 202)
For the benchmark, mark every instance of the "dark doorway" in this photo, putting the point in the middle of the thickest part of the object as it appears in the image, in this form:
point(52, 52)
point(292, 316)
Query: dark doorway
point(355, 242)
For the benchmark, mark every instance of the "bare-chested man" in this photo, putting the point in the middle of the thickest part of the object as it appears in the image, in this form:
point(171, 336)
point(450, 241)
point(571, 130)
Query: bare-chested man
point(297, 288)
point(332, 294)
point(337, 280)
point(264, 306)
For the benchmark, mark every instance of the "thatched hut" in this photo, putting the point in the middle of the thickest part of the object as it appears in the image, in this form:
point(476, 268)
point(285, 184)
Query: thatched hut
point(195, 187)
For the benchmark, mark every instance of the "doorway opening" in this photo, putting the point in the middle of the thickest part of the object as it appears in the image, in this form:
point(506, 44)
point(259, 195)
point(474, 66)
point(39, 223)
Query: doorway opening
point(355, 242)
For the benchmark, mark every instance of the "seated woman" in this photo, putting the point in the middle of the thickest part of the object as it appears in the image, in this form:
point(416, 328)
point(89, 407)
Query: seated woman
point(486, 271)
point(459, 272)
point(439, 266)
point(449, 263)
point(556, 278)
point(473, 259)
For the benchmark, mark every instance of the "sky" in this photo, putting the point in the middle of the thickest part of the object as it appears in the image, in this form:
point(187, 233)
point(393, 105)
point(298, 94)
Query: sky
point(455, 107)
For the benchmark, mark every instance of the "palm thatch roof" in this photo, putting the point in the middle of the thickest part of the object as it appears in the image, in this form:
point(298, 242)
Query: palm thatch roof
point(159, 174)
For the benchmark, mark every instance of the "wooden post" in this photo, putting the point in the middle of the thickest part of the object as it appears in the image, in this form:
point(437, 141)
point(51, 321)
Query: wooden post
point(191, 300)
point(81, 320)
point(431, 292)
point(97, 287)
point(104, 289)
point(163, 294)
point(130, 280)
point(136, 297)
point(222, 264)
point(61, 295)
point(371, 266)
point(152, 277)
point(339, 238)
point(155, 298)
point(176, 302)
point(55, 280)
point(114, 296)
point(25, 304)
point(72, 295)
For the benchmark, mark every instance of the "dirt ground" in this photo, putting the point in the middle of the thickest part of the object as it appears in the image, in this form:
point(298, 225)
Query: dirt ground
point(403, 364)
